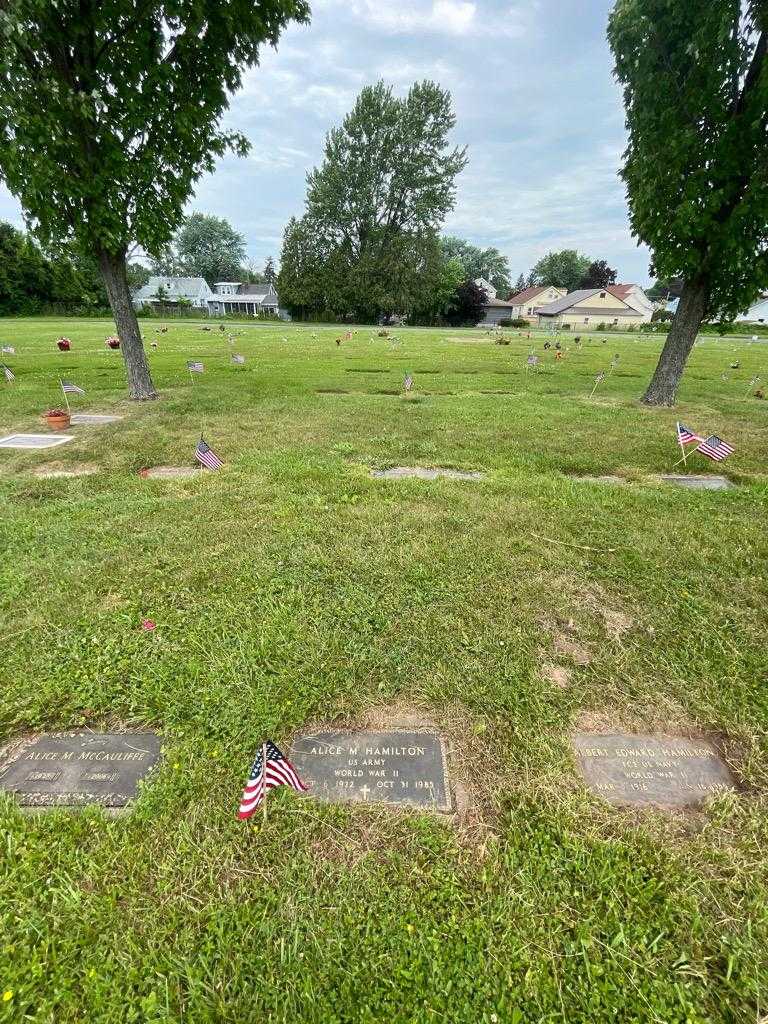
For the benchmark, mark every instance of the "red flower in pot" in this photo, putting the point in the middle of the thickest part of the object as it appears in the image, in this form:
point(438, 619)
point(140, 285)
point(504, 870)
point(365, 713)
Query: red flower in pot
point(112, 342)
point(64, 344)
point(57, 419)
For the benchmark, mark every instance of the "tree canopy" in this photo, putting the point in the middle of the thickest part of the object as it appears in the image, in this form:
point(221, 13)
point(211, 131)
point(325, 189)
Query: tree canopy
point(598, 275)
point(109, 113)
point(564, 269)
point(367, 243)
point(696, 169)
point(487, 263)
point(204, 246)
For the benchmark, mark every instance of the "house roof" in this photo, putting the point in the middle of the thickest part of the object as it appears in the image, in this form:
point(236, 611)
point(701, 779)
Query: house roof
point(173, 286)
point(528, 293)
point(566, 301)
point(621, 291)
point(255, 289)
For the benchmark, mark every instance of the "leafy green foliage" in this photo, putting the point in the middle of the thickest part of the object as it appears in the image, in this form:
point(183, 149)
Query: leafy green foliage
point(467, 305)
point(564, 269)
point(598, 275)
point(695, 167)
point(487, 263)
point(270, 273)
point(204, 246)
point(367, 243)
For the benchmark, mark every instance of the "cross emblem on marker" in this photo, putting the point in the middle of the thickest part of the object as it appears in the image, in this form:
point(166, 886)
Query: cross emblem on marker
point(365, 791)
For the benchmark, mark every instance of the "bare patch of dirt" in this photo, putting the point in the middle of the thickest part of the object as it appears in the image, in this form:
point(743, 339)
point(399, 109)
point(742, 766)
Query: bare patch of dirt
point(565, 647)
point(557, 675)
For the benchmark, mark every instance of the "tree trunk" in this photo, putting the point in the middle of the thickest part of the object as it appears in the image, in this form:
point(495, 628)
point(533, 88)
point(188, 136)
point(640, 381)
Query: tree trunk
point(113, 270)
point(682, 334)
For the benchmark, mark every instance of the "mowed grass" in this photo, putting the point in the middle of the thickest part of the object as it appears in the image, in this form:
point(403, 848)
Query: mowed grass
point(292, 588)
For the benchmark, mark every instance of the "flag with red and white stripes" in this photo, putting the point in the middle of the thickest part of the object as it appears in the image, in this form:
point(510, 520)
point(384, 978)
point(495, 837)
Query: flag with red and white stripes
point(207, 456)
point(267, 772)
point(686, 436)
point(715, 448)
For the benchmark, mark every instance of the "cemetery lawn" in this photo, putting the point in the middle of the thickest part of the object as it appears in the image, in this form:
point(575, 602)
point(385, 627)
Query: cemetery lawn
point(291, 588)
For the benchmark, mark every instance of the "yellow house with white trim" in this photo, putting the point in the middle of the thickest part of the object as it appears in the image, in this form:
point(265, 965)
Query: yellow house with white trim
point(589, 308)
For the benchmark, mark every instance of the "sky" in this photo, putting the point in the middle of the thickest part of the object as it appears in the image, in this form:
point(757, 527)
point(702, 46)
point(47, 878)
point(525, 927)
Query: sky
point(535, 104)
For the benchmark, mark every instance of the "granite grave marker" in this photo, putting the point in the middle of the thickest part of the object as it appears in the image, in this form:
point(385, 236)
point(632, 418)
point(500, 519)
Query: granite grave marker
point(75, 769)
point(666, 770)
point(396, 767)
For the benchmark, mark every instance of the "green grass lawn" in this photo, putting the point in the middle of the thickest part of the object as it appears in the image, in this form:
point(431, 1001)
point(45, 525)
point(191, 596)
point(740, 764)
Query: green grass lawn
point(291, 588)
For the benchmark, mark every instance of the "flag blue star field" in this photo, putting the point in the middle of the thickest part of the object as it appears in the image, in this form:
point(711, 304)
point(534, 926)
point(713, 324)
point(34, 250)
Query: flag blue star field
point(71, 389)
point(278, 771)
point(686, 436)
point(715, 448)
point(207, 456)
point(9, 374)
point(195, 366)
point(532, 360)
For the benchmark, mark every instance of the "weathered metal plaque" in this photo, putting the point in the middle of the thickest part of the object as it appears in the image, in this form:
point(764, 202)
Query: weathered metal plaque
point(34, 440)
point(397, 767)
point(92, 419)
point(666, 770)
point(74, 769)
point(173, 472)
point(699, 483)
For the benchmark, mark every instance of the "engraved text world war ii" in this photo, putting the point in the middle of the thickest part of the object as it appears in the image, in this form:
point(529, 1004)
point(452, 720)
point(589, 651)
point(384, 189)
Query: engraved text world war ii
point(664, 770)
point(398, 767)
point(74, 769)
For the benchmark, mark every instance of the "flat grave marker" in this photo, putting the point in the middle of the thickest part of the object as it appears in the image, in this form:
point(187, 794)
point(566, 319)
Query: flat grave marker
point(651, 769)
point(699, 483)
point(77, 769)
point(34, 441)
point(172, 472)
point(92, 419)
point(405, 767)
point(421, 473)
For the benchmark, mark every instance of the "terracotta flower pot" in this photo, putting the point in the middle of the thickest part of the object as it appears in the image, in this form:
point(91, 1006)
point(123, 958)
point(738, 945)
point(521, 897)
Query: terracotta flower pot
point(58, 422)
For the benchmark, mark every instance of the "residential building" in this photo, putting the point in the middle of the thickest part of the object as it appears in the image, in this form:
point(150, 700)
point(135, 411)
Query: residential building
point(170, 290)
point(635, 297)
point(250, 299)
point(588, 308)
point(526, 303)
point(756, 314)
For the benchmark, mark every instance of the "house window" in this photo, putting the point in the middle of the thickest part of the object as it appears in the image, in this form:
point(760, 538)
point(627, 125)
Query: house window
point(586, 319)
point(615, 320)
point(530, 310)
point(602, 295)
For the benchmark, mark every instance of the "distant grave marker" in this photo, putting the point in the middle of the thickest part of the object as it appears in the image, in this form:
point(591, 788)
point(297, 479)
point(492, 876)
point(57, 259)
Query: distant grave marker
point(172, 472)
point(399, 767)
point(665, 770)
point(76, 769)
point(699, 483)
point(92, 419)
point(34, 441)
point(421, 473)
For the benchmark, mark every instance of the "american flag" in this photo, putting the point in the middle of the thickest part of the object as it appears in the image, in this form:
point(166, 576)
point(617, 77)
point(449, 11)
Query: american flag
point(206, 456)
point(71, 389)
point(715, 448)
point(238, 360)
point(278, 771)
point(8, 350)
point(408, 382)
point(600, 378)
point(194, 366)
point(686, 436)
point(532, 360)
point(9, 374)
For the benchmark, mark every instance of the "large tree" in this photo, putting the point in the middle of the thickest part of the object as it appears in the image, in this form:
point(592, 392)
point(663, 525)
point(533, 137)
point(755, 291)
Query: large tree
point(109, 113)
point(486, 263)
point(374, 207)
point(564, 269)
point(204, 246)
point(466, 308)
point(696, 169)
point(598, 275)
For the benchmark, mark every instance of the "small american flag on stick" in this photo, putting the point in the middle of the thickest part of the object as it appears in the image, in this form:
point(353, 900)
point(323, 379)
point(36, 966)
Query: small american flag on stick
point(8, 350)
point(715, 448)
point(71, 389)
point(195, 366)
point(408, 382)
point(207, 456)
point(238, 360)
point(10, 376)
point(686, 436)
point(269, 770)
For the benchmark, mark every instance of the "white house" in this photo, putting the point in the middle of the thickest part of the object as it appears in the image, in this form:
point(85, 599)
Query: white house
point(250, 299)
point(635, 297)
point(194, 290)
point(757, 314)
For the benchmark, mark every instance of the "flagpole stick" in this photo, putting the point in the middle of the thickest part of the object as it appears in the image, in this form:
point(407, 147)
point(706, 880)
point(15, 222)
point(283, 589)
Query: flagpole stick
point(594, 389)
point(692, 453)
point(65, 395)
